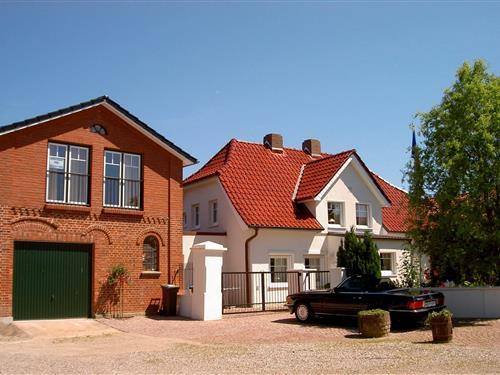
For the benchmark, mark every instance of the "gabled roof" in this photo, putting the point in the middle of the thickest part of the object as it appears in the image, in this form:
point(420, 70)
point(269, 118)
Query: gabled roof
point(317, 174)
point(261, 183)
point(395, 217)
point(103, 100)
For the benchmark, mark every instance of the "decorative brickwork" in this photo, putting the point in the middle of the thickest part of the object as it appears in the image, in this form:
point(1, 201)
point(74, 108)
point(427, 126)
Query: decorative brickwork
point(116, 234)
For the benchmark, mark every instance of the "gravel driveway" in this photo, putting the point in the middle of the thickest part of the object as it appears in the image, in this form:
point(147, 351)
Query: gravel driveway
point(264, 343)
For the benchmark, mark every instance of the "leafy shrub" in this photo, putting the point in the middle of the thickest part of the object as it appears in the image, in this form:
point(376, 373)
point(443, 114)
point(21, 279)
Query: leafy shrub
point(438, 316)
point(372, 312)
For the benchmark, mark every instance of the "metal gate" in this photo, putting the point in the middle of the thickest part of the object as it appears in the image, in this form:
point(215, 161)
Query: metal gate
point(266, 291)
point(51, 280)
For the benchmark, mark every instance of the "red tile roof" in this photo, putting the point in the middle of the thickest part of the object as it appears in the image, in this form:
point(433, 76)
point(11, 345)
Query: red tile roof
point(395, 217)
point(261, 183)
point(318, 173)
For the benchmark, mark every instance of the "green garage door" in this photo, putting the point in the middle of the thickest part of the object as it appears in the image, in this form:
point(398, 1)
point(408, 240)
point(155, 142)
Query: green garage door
point(51, 280)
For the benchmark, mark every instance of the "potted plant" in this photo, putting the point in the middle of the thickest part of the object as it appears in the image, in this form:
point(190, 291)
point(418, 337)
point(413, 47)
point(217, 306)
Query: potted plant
point(374, 323)
point(441, 325)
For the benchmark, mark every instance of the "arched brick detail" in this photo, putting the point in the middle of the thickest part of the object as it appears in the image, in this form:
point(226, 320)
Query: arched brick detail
point(147, 232)
point(37, 224)
point(98, 228)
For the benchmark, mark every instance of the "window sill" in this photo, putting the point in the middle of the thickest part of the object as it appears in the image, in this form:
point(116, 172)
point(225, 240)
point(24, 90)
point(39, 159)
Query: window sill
point(150, 274)
point(122, 211)
point(388, 274)
point(337, 228)
point(66, 207)
point(363, 228)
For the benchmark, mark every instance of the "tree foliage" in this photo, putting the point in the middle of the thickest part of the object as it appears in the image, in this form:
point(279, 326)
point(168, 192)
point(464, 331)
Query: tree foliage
point(359, 256)
point(454, 179)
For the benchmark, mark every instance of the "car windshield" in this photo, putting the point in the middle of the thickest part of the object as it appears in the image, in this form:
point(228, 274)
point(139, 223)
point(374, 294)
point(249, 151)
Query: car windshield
point(363, 284)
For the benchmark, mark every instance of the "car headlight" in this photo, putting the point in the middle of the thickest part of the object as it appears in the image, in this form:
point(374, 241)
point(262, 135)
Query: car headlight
point(289, 300)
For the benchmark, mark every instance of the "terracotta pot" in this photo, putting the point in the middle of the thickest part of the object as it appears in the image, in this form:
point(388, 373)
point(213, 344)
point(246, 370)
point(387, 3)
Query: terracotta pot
point(374, 325)
point(442, 329)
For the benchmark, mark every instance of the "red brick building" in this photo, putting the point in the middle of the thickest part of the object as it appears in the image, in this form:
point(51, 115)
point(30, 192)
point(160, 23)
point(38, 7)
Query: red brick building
point(82, 190)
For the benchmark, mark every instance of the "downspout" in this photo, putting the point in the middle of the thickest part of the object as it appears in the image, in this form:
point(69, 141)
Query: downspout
point(247, 262)
point(169, 218)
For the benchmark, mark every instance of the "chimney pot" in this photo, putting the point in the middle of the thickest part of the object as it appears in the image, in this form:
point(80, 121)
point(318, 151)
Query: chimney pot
point(312, 147)
point(274, 142)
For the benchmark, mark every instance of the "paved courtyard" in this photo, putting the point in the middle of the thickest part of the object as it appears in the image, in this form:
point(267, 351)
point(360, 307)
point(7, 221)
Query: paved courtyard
point(248, 343)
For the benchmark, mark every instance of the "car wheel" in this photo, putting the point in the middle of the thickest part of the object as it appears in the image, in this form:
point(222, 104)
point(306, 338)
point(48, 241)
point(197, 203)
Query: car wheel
point(304, 313)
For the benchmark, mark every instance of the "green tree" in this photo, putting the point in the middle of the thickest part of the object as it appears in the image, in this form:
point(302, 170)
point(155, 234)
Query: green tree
point(454, 179)
point(359, 256)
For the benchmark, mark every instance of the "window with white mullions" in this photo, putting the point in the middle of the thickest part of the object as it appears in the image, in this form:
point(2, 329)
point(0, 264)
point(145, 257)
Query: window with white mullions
point(362, 212)
point(278, 265)
point(122, 180)
point(335, 214)
point(67, 174)
point(387, 263)
point(77, 177)
point(213, 213)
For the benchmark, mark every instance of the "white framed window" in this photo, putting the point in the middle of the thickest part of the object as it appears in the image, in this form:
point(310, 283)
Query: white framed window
point(312, 262)
point(195, 215)
point(336, 214)
point(213, 212)
point(67, 174)
point(388, 263)
point(278, 265)
point(362, 215)
point(122, 180)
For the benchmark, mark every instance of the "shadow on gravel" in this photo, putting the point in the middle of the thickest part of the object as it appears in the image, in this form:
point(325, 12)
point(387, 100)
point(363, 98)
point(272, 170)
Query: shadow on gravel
point(472, 322)
point(166, 317)
point(338, 322)
point(10, 332)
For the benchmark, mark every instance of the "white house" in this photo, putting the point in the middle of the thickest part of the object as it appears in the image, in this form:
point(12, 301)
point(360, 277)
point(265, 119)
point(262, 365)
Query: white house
point(277, 208)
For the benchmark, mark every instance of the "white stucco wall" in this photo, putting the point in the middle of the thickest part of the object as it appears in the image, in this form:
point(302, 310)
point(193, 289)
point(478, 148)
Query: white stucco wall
point(229, 222)
point(295, 244)
point(349, 188)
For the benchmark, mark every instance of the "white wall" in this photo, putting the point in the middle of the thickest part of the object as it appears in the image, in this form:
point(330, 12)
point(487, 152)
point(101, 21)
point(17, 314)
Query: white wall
point(229, 221)
point(293, 243)
point(472, 302)
point(349, 188)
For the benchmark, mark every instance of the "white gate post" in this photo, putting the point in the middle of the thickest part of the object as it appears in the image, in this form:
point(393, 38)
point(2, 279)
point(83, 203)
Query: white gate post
point(207, 273)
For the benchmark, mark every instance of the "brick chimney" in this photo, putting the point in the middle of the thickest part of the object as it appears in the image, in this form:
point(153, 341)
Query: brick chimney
point(274, 142)
point(312, 147)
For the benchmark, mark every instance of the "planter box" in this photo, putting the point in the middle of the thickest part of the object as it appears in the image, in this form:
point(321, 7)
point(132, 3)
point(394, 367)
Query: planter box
point(481, 302)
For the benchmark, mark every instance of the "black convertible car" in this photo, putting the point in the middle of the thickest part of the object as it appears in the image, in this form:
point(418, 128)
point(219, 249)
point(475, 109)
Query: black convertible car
point(357, 293)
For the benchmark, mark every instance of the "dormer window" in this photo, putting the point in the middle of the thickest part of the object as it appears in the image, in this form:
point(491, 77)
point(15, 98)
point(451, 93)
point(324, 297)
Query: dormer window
point(335, 214)
point(362, 215)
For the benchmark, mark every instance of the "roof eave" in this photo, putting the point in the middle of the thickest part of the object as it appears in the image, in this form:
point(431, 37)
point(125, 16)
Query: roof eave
point(185, 157)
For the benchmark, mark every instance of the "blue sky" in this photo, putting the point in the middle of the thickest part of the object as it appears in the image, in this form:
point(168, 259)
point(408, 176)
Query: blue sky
point(350, 74)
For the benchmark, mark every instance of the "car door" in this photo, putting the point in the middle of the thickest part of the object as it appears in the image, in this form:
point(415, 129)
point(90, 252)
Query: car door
point(347, 299)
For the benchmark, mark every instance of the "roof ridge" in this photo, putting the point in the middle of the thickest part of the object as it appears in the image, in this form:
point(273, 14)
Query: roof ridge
point(389, 183)
point(284, 148)
point(100, 100)
point(353, 150)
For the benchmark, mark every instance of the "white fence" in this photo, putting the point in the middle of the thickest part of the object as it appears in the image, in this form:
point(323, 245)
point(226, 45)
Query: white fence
point(472, 302)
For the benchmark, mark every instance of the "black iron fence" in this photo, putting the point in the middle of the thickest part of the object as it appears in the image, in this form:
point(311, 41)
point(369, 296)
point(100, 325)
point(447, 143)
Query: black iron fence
point(266, 291)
